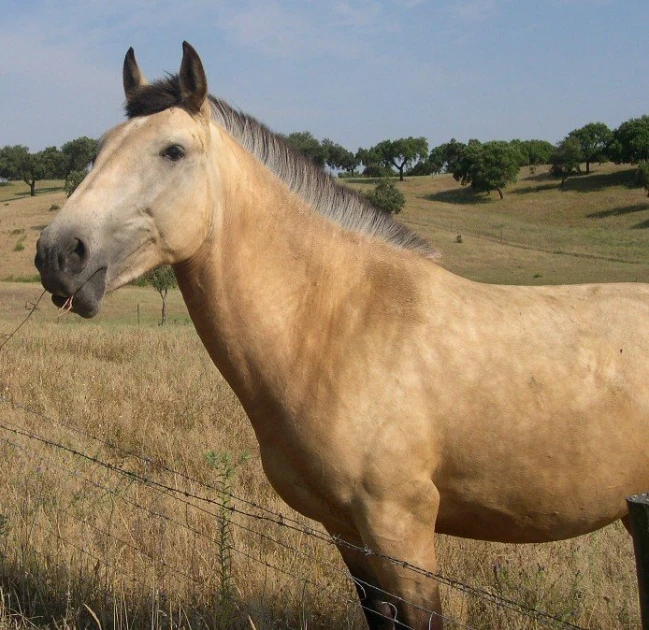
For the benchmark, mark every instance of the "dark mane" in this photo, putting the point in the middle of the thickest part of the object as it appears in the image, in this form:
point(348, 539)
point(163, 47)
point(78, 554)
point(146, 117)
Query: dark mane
point(154, 97)
point(342, 205)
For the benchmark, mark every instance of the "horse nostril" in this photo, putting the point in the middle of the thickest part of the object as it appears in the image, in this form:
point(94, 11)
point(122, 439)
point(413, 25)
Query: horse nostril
point(72, 256)
point(80, 251)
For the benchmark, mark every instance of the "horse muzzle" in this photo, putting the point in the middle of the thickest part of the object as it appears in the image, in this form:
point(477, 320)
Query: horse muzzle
point(65, 265)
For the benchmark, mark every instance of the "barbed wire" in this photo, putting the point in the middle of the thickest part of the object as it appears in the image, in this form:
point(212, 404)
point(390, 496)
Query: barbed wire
point(345, 574)
point(194, 531)
point(148, 461)
point(31, 307)
point(498, 600)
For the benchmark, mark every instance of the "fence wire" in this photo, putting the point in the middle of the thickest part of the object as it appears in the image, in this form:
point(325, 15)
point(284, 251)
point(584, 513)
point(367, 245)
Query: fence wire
point(118, 494)
point(258, 513)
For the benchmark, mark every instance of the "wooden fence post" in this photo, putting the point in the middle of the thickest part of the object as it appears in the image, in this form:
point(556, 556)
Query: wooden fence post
point(638, 505)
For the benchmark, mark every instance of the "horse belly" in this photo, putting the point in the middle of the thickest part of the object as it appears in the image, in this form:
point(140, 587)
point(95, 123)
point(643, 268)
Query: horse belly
point(525, 523)
point(550, 488)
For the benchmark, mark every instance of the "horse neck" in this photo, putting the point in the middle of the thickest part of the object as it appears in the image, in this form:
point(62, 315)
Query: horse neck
point(270, 269)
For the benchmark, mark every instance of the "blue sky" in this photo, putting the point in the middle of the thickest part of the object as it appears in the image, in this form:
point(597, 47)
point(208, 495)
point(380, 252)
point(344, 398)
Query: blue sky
point(354, 71)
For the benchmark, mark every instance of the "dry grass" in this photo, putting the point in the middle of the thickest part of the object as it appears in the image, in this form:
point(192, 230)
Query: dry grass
point(80, 544)
point(75, 535)
point(21, 220)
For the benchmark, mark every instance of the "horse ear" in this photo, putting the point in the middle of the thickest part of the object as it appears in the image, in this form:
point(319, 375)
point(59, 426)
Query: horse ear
point(193, 83)
point(131, 75)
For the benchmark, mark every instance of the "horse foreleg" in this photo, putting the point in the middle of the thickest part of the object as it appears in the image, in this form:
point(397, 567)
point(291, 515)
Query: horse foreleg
point(378, 612)
point(401, 527)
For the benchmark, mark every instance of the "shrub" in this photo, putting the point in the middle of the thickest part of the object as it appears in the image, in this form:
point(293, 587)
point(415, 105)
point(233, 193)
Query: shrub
point(377, 170)
point(73, 180)
point(387, 197)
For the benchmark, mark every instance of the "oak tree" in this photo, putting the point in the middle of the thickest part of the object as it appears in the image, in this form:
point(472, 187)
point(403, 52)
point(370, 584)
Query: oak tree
point(486, 167)
point(162, 279)
point(630, 141)
point(18, 163)
point(593, 139)
point(566, 159)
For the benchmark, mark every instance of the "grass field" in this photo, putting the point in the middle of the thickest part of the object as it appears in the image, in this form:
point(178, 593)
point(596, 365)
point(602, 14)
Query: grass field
point(595, 230)
point(82, 544)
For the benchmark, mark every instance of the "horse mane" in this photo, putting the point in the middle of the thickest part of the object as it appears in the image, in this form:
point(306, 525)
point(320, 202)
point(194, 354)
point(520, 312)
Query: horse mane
point(316, 187)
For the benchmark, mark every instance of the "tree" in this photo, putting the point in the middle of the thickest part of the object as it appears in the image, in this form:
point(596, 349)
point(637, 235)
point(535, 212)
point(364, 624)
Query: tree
point(593, 139)
point(304, 142)
point(162, 279)
point(12, 161)
point(387, 197)
point(373, 167)
point(643, 175)
point(443, 157)
point(486, 167)
point(423, 167)
point(339, 158)
point(73, 180)
point(533, 152)
point(401, 153)
point(17, 163)
point(79, 154)
point(630, 142)
point(566, 159)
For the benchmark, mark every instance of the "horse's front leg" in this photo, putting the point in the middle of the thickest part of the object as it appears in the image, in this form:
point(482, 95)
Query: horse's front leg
point(379, 614)
point(399, 524)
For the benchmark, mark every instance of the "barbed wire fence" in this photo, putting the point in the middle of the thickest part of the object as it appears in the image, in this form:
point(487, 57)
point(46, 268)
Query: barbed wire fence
point(210, 502)
point(215, 503)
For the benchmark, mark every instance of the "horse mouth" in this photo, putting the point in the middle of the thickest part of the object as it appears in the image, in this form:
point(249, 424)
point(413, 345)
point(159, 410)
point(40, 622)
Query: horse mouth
point(86, 301)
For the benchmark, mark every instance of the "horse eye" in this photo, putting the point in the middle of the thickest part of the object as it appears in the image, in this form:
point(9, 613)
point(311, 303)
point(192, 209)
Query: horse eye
point(174, 152)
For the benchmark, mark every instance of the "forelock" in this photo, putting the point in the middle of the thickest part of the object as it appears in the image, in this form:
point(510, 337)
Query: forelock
point(154, 97)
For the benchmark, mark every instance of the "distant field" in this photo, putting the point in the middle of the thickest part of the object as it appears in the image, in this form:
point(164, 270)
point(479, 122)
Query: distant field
point(17, 190)
point(74, 538)
point(21, 220)
point(595, 230)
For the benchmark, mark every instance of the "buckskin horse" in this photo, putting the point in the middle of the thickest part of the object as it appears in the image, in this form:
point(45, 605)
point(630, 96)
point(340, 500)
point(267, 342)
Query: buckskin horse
point(390, 398)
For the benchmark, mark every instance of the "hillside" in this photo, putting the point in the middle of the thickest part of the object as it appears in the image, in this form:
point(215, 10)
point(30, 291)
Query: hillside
point(21, 220)
point(593, 231)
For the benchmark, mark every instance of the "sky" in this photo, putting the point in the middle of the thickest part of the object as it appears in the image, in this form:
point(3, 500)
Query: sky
point(356, 72)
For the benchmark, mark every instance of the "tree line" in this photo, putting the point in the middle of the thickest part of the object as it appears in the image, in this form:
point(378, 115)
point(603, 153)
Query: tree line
point(484, 166)
point(70, 162)
point(488, 166)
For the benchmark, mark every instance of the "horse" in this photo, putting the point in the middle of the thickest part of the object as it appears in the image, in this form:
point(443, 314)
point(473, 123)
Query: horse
point(391, 398)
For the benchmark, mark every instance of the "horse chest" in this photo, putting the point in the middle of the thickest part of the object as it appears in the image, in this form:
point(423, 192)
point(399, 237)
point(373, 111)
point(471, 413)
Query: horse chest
point(308, 478)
